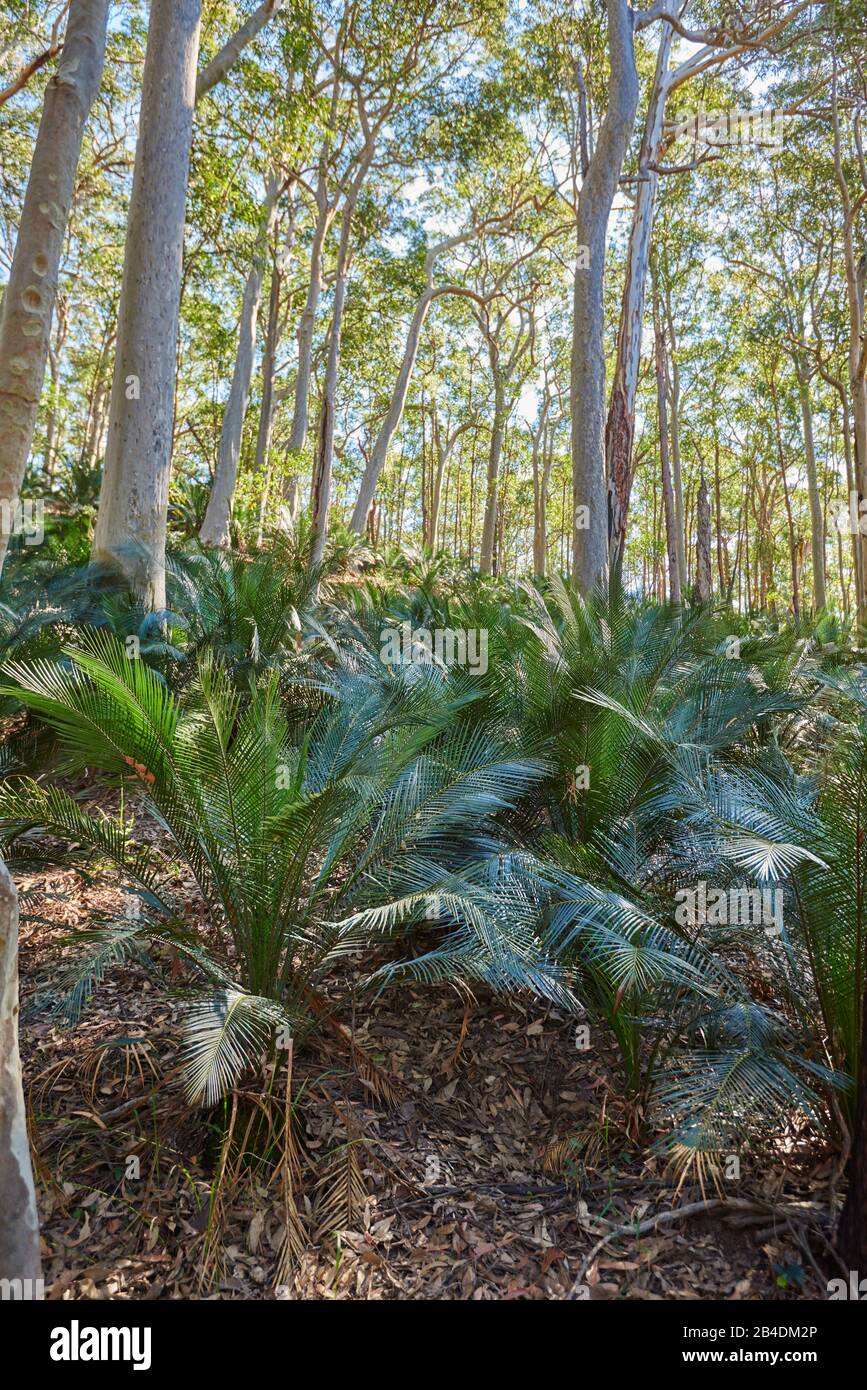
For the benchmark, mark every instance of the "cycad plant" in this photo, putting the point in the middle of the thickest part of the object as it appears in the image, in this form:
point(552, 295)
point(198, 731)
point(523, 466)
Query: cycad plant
point(306, 844)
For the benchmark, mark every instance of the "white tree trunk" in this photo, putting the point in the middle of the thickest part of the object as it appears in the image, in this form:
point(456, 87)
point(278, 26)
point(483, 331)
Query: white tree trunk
point(492, 487)
point(703, 579)
point(216, 526)
point(379, 453)
point(675, 573)
point(587, 382)
point(817, 520)
point(19, 1222)
point(320, 494)
point(25, 318)
point(620, 425)
point(131, 525)
point(300, 414)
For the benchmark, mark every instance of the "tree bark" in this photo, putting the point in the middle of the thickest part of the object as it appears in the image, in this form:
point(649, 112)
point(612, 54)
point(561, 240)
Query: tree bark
point(25, 317)
point(587, 383)
point(273, 334)
point(320, 492)
point(817, 520)
point(19, 1221)
point(216, 527)
point(230, 52)
point(379, 453)
point(492, 482)
point(300, 413)
point(703, 580)
point(131, 525)
point(674, 573)
point(620, 424)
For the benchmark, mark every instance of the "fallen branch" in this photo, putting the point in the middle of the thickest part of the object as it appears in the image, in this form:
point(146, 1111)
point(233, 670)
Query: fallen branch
point(665, 1218)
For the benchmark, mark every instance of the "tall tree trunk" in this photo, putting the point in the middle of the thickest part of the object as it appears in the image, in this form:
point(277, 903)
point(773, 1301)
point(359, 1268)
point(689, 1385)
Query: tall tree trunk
point(790, 521)
point(817, 521)
point(587, 383)
point(620, 425)
point(703, 580)
point(492, 489)
point(441, 452)
point(216, 526)
point(131, 526)
point(300, 414)
point(541, 462)
point(721, 547)
point(379, 453)
point(674, 571)
point(674, 438)
point(273, 334)
point(25, 317)
point(320, 492)
point(19, 1222)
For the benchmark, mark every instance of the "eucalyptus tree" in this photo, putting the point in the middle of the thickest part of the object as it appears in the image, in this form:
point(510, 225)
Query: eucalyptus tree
point(131, 524)
point(29, 299)
point(389, 61)
point(717, 42)
point(434, 288)
point(19, 1221)
point(269, 124)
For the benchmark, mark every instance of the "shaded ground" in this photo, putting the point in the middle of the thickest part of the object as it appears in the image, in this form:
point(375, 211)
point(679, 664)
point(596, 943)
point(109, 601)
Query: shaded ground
point(444, 1194)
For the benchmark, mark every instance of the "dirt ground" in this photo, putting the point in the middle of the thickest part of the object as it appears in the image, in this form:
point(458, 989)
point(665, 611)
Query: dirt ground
point(454, 1185)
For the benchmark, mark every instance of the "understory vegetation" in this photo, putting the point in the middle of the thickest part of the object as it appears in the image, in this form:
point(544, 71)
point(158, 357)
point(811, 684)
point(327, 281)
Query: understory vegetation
point(346, 825)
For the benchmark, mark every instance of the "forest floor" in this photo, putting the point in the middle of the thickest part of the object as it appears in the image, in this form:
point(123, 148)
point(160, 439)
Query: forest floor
point(454, 1195)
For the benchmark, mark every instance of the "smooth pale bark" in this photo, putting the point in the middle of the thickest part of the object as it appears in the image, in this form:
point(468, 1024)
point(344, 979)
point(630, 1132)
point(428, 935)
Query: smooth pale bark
point(620, 424)
point(540, 452)
point(817, 520)
point(320, 498)
point(291, 503)
point(53, 423)
point(216, 527)
point(587, 380)
point(856, 276)
point(131, 525)
point(19, 1221)
point(492, 479)
point(273, 334)
point(674, 571)
point(300, 415)
point(230, 52)
point(703, 579)
point(781, 462)
point(440, 443)
point(379, 453)
point(25, 318)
